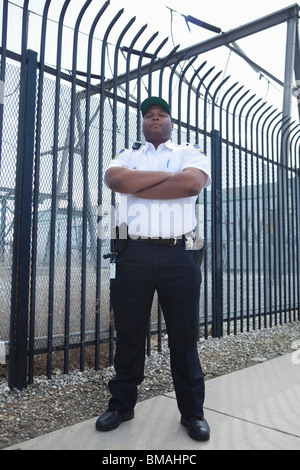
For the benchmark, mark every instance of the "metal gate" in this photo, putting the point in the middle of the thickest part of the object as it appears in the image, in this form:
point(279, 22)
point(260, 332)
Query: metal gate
point(59, 132)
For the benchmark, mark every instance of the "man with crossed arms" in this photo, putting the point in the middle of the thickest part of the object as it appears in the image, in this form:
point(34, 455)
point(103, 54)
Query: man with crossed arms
point(152, 179)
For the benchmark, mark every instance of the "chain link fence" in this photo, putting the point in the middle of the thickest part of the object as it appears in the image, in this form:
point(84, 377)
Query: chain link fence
point(249, 217)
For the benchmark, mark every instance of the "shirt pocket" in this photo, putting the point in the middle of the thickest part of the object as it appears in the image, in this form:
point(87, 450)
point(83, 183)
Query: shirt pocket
point(173, 165)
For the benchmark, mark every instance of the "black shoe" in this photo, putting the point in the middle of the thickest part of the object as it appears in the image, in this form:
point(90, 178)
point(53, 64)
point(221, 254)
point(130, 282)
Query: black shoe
point(198, 429)
point(112, 419)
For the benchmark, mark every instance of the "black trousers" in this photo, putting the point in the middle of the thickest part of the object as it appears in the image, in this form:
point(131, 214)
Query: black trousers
point(174, 273)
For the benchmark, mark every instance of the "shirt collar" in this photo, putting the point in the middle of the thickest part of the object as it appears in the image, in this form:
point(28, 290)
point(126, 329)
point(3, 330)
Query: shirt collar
point(169, 144)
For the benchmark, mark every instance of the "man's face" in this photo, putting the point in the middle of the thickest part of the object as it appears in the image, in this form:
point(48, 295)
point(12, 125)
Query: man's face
point(157, 125)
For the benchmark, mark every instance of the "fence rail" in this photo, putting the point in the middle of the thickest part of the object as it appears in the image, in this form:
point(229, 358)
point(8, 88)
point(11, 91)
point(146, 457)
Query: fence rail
point(59, 132)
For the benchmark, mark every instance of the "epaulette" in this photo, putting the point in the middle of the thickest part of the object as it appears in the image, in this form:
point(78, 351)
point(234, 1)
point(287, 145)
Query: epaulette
point(121, 151)
point(197, 147)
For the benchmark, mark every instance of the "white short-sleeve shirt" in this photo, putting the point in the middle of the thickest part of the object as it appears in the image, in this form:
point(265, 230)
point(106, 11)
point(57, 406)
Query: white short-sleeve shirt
point(160, 218)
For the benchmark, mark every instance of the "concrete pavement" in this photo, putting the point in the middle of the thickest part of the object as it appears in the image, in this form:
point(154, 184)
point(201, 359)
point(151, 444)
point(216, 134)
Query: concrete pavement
point(257, 408)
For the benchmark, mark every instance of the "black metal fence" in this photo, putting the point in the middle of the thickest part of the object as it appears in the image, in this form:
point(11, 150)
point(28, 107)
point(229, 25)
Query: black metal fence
point(59, 132)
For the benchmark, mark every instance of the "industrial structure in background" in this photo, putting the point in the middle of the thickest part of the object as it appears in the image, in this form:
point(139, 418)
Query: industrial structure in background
point(59, 132)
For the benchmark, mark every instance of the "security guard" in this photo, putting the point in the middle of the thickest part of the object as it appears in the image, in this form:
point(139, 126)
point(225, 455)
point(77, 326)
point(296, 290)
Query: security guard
point(159, 184)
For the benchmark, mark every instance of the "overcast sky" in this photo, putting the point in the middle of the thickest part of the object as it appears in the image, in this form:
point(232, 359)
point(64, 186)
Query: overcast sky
point(266, 49)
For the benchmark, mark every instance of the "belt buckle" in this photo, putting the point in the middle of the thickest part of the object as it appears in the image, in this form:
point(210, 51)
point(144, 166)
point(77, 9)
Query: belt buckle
point(174, 242)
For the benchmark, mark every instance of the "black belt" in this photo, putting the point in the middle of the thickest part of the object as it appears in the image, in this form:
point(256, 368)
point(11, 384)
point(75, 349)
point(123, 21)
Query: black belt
point(160, 241)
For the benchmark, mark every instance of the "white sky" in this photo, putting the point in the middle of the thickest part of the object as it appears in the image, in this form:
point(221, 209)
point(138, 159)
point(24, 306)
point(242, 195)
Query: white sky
point(266, 49)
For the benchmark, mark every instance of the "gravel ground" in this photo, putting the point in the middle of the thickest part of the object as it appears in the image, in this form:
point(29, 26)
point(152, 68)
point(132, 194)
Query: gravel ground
point(48, 405)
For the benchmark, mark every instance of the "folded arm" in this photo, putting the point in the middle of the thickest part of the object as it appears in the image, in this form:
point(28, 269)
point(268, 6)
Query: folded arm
point(156, 184)
point(128, 181)
point(189, 182)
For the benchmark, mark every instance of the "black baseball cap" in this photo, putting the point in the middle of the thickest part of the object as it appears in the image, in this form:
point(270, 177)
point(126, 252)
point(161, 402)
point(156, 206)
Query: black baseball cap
point(154, 101)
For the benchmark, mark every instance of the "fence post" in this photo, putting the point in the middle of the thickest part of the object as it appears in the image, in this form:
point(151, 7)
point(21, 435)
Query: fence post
point(217, 268)
point(17, 374)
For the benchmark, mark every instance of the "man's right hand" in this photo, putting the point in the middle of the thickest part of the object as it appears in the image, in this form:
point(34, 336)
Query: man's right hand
point(128, 181)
